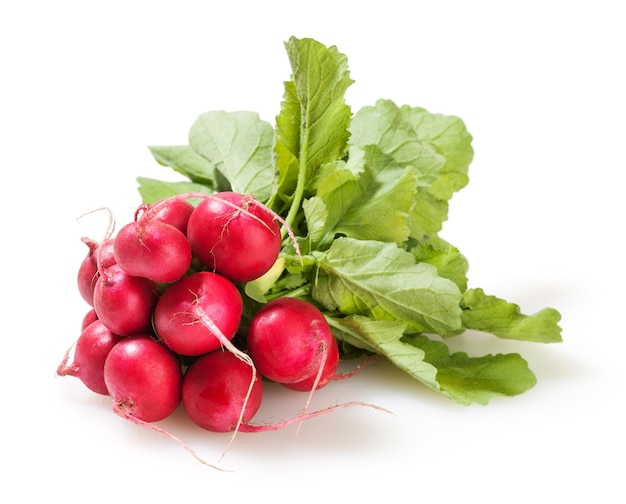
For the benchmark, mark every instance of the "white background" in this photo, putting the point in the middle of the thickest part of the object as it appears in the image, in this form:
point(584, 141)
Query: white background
point(85, 87)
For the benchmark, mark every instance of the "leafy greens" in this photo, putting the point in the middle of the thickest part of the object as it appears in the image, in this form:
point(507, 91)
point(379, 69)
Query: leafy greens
point(366, 194)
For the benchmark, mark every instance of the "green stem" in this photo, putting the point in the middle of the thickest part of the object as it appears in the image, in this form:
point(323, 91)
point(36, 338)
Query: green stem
point(298, 194)
point(296, 203)
point(304, 290)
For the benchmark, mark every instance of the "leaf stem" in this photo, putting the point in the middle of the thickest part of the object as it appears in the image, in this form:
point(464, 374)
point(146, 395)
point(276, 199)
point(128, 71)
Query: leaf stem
point(298, 194)
point(299, 292)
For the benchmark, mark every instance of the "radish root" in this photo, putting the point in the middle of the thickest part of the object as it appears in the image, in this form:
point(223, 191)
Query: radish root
point(210, 324)
point(299, 418)
point(357, 369)
point(324, 351)
point(123, 409)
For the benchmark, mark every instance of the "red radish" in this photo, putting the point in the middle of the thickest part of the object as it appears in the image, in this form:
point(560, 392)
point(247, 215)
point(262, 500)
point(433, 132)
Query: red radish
point(324, 377)
point(88, 272)
point(124, 302)
point(290, 341)
point(99, 257)
point(220, 391)
point(152, 249)
point(85, 359)
point(144, 378)
point(89, 317)
point(174, 211)
point(105, 256)
point(234, 235)
point(198, 313)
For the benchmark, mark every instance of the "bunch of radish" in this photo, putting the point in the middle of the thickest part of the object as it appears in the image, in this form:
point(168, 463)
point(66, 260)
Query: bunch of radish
point(166, 307)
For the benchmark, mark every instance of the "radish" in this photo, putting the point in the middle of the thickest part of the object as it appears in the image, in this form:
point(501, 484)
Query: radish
point(155, 245)
point(290, 341)
point(220, 391)
point(105, 256)
point(234, 235)
point(174, 211)
point(152, 249)
point(324, 377)
point(144, 378)
point(88, 318)
point(99, 257)
point(152, 316)
point(198, 313)
point(124, 302)
point(88, 272)
point(85, 359)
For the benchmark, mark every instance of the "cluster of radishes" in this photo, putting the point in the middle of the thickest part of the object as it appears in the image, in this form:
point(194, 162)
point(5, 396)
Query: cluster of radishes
point(166, 297)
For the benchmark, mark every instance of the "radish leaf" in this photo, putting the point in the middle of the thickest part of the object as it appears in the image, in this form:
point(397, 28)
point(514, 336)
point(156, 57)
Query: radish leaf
point(482, 312)
point(382, 281)
point(239, 145)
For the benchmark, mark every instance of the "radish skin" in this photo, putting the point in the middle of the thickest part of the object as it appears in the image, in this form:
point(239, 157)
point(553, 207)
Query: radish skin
point(88, 318)
point(124, 302)
point(221, 392)
point(85, 359)
point(98, 258)
point(289, 341)
point(234, 235)
point(173, 211)
point(326, 373)
point(198, 313)
point(154, 250)
point(144, 378)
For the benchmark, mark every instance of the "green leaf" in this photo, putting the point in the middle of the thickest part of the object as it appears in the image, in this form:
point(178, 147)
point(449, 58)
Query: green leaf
point(382, 281)
point(152, 190)
point(367, 198)
point(239, 145)
point(438, 147)
point(317, 210)
point(312, 125)
point(316, 215)
point(475, 379)
point(384, 337)
point(287, 141)
point(314, 120)
point(482, 312)
point(450, 263)
point(183, 159)
point(427, 215)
